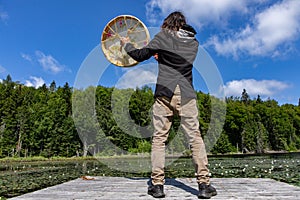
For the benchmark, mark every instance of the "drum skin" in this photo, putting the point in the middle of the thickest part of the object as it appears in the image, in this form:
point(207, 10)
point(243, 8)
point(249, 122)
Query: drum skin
point(123, 26)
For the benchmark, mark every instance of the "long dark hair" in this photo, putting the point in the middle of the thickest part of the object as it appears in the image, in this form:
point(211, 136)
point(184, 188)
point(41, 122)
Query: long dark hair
point(174, 21)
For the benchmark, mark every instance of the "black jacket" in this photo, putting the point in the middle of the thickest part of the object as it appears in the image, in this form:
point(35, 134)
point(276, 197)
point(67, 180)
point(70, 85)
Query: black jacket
point(176, 54)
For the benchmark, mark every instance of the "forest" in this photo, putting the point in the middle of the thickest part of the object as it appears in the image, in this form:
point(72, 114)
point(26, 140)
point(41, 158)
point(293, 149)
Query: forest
point(52, 121)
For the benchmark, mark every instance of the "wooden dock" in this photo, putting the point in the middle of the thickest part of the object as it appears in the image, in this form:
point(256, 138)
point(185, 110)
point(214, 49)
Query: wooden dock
point(113, 188)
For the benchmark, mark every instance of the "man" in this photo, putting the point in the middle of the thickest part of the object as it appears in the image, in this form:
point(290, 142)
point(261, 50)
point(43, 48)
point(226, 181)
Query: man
point(175, 49)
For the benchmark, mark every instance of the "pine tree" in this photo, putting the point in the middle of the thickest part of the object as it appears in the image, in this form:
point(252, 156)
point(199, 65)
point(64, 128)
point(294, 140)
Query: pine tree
point(258, 100)
point(245, 97)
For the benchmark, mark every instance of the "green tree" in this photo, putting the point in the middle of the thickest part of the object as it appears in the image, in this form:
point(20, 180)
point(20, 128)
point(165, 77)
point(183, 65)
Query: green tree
point(245, 97)
point(223, 145)
point(84, 116)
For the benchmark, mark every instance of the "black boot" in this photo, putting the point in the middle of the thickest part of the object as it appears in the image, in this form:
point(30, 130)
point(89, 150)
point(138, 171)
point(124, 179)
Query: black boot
point(156, 191)
point(206, 191)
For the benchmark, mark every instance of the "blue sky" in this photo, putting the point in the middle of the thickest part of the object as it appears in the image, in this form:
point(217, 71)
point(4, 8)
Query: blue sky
point(254, 44)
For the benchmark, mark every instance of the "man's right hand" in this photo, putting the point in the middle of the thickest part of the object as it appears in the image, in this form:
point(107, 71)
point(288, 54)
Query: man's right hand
point(124, 40)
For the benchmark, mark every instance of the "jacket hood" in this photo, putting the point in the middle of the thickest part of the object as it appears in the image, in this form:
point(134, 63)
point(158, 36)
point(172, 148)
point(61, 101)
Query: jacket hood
point(184, 34)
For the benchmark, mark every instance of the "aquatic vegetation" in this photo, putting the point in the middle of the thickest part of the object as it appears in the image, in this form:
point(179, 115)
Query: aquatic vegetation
point(22, 176)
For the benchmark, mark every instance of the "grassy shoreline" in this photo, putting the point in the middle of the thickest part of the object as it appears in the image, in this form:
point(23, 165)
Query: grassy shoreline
point(145, 155)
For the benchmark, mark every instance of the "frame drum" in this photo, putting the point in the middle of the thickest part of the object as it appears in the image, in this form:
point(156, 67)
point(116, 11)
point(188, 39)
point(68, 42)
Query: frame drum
point(123, 26)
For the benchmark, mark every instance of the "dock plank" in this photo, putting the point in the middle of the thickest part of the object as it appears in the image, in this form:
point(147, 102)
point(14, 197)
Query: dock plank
point(122, 188)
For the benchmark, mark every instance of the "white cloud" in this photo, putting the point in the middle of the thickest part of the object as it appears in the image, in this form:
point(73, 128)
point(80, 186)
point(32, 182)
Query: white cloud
point(3, 16)
point(266, 88)
point(199, 13)
point(34, 82)
point(270, 33)
point(49, 63)
point(266, 28)
point(138, 77)
point(26, 57)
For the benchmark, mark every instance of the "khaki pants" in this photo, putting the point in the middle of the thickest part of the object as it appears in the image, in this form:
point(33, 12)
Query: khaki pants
point(163, 111)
